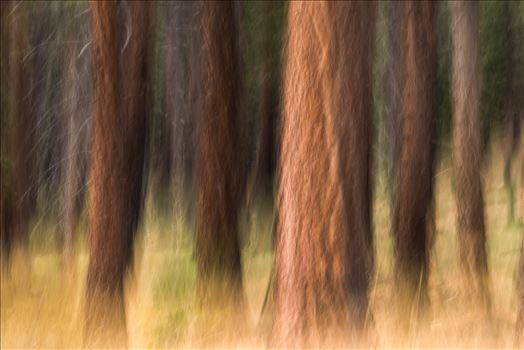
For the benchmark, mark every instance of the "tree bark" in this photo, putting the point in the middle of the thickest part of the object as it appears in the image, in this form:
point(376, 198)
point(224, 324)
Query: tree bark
point(266, 152)
point(466, 150)
point(76, 125)
point(18, 169)
point(415, 171)
point(116, 185)
point(324, 253)
point(183, 84)
point(392, 94)
point(5, 187)
point(220, 191)
point(268, 109)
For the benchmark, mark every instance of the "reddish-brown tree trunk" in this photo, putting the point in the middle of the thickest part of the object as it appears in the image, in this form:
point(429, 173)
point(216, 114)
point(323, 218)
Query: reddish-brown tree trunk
point(324, 254)
point(466, 150)
point(221, 182)
point(416, 152)
point(121, 75)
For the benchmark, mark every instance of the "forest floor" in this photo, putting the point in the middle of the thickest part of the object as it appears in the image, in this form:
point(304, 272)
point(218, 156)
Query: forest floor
point(46, 311)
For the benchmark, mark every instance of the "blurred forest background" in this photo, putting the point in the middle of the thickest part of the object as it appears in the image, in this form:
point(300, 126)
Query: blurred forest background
point(47, 108)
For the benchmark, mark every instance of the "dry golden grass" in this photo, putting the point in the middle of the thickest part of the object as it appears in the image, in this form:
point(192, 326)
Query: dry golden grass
point(45, 311)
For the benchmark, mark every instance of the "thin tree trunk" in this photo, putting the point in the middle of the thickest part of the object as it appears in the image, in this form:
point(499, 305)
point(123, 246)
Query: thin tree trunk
point(415, 171)
point(466, 150)
point(265, 161)
point(72, 169)
point(220, 191)
point(392, 94)
point(76, 110)
point(183, 92)
point(121, 75)
point(324, 254)
point(162, 146)
point(268, 113)
point(46, 34)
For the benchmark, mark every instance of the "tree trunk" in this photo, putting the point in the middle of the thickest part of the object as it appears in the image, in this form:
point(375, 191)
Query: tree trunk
point(265, 161)
point(392, 95)
point(513, 99)
point(47, 41)
point(5, 188)
point(415, 171)
point(121, 91)
point(161, 132)
point(18, 169)
point(466, 150)
point(75, 119)
point(219, 271)
point(182, 103)
point(324, 254)
point(268, 109)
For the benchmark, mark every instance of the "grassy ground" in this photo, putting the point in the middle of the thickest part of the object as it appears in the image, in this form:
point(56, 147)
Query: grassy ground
point(46, 310)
